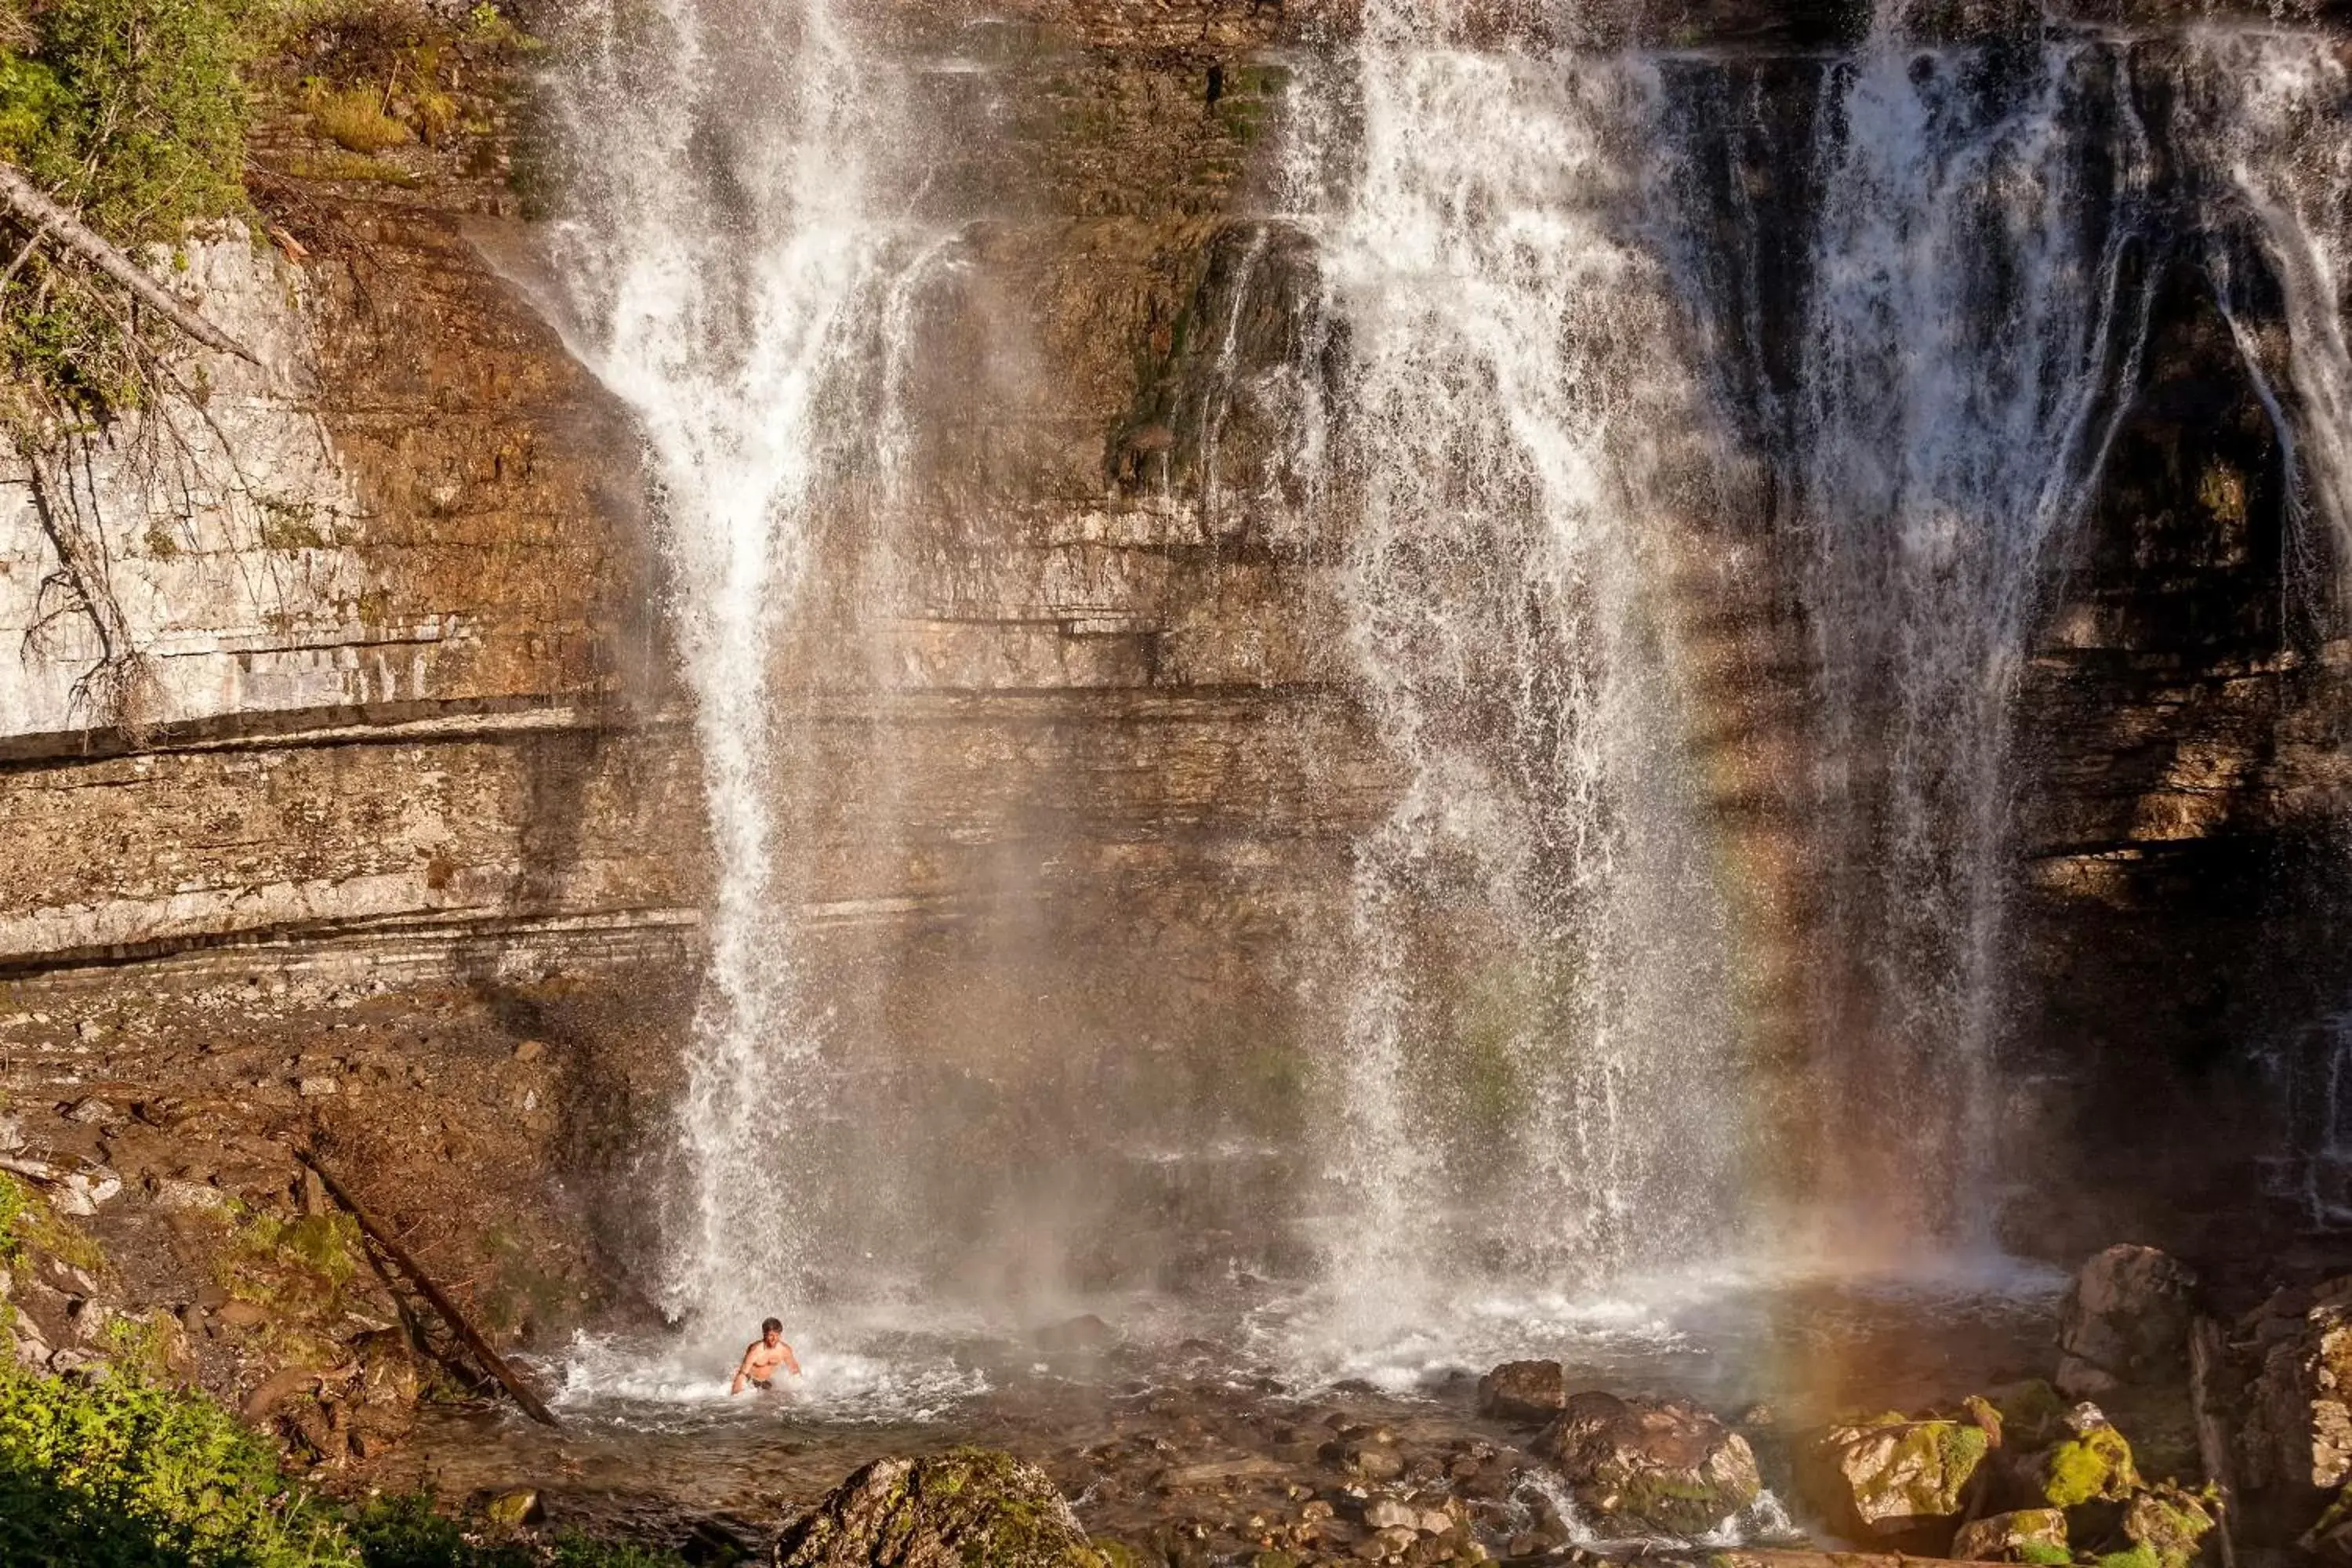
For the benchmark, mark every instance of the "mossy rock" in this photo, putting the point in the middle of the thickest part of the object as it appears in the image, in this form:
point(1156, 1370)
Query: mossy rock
point(1896, 1476)
point(2169, 1522)
point(963, 1508)
point(2027, 1535)
point(1651, 1467)
point(2095, 1467)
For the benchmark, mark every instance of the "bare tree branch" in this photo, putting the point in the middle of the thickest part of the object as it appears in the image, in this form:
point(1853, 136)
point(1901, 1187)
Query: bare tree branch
point(20, 197)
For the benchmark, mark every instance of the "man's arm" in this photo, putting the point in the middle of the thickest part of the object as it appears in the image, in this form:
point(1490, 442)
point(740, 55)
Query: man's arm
point(742, 1371)
point(792, 1361)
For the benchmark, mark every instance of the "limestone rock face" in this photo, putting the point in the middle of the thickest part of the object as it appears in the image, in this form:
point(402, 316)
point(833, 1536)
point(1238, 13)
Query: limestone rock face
point(1896, 1475)
point(2125, 1321)
point(1529, 1391)
point(2026, 1535)
point(1664, 1466)
point(945, 1510)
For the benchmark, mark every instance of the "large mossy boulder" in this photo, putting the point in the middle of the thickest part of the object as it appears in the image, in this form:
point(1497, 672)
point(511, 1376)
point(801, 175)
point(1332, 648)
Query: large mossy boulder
point(1650, 1467)
point(2092, 1463)
point(2125, 1321)
point(2022, 1535)
point(964, 1506)
point(1894, 1476)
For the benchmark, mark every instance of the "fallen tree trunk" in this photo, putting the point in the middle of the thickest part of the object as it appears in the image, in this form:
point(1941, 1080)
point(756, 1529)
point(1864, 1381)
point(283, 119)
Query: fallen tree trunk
point(491, 1361)
point(24, 201)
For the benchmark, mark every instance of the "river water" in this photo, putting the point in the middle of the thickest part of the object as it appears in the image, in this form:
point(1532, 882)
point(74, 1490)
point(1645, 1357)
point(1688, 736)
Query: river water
point(652, 1442)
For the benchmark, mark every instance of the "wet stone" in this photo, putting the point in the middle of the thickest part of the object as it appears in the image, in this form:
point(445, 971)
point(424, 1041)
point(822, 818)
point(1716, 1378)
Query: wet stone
point(1527, 1392)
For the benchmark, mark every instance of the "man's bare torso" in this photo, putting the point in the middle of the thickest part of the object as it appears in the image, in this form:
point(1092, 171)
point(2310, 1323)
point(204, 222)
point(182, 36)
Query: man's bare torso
point(761, 1360)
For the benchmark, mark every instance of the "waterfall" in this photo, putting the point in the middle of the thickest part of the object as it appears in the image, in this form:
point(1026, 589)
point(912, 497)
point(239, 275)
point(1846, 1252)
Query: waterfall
point(1974, 307)
point(1535, 1051)
point(2265, 120)
point(2263, 113)
point(723, 269)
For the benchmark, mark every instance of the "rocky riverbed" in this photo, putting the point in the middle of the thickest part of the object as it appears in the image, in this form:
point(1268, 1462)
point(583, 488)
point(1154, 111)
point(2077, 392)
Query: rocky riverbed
point(2132, 1415)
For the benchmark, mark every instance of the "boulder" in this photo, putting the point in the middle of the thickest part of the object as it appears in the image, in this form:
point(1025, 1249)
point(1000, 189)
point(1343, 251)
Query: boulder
point(1656, 1466)
point(384, 1398)
point(2026, 1535)
point(943, 1511)
point(1531, 1390)
point(2298, 1430)
point(1086, 1335)
point(2168, 1523)
point(514, 1509)
point(2125, 1321)
point(1893, 1475)
point(2092, 1464)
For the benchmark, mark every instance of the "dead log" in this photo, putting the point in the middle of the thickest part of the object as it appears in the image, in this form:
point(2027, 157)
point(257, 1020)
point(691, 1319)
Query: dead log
point(26, 202)
point(459, 1325)
point(2212, 1429)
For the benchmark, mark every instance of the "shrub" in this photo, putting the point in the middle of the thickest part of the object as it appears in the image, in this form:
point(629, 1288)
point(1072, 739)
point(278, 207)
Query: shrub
point(118, 1474)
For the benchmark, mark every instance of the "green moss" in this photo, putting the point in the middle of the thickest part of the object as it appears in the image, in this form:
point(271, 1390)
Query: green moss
point(2137, 1556)
point(2098, 1465)
point(2041, 1551)
point(1960, 1447)
point(2171, 1522)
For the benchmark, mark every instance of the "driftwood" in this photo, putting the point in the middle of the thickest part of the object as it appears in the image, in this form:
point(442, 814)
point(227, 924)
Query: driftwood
point(23, 201)
point(2212, 1430)
point(459, 1324)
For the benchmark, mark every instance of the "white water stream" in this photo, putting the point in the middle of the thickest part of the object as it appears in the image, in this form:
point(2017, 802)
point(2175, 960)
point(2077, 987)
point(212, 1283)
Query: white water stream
point(1972, 309)
point(1534, 1050)
point(727, 272)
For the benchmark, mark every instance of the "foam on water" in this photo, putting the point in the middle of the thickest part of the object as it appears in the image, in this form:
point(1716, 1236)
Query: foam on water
point(627, 1380)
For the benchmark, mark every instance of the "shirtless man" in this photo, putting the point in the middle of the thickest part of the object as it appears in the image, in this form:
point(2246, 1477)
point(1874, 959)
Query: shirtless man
point(761, 1357)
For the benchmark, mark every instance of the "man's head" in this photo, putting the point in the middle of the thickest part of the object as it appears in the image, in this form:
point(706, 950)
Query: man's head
point(772, 1330)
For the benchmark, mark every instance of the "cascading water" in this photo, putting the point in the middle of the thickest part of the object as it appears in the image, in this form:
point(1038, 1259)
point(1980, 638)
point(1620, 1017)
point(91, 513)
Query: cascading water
point(2264, 113)
point(1974, 305)
point(1534, 1072)
point(723, 268)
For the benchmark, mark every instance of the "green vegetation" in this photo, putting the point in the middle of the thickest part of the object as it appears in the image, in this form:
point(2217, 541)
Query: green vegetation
point(354, 117)
point(134, 115)
point(29, 1225)
point(118, 1474)
point(123, 1473)
point(1959, 1448)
